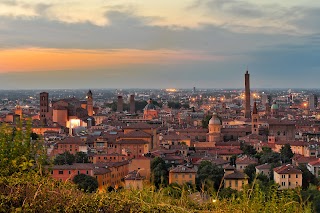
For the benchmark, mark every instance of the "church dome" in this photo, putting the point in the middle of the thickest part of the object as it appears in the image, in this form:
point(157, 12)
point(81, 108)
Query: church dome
point(215, 120)
point(150, 105)
point(274, 106)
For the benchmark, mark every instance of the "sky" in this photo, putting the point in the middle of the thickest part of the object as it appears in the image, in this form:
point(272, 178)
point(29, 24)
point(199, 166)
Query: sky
point(49, 44)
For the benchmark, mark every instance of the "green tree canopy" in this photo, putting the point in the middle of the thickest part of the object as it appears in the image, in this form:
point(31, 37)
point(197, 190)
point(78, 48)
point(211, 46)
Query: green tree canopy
point(64, 158)
point(209, 175)
point(268, 156)
point(86, 182)
point(81, 157)
point(18, 152)
point(248, 149)
point(250, 170)
point(205, 121)
point(159, 172)
point(286, 153)
point(307, 177)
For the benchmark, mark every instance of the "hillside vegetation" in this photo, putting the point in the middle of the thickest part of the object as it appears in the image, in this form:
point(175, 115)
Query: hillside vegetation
point(25, 187)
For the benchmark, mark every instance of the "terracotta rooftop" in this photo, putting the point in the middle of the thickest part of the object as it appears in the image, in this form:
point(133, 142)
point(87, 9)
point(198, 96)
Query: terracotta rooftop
point(287, 169)
point(139, 126)
point(72, 140)
point(132, 141)
point(183, 169)
point(236, 175)
point(246, 160)
point(134, 175)
point(136, 134)
point(264, 166)
point(315, 163)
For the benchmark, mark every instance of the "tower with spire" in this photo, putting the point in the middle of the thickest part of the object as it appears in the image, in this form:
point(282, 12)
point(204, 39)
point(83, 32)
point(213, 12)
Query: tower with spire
point(255, 120)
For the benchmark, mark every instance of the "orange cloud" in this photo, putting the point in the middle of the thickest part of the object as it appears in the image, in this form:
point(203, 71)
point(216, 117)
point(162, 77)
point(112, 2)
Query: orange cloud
point(39, 59)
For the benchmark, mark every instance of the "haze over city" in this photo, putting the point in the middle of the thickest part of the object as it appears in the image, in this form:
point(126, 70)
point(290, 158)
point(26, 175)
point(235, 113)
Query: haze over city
point(158, 44)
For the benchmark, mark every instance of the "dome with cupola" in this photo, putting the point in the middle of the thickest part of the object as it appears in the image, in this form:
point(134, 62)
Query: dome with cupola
point(215, 120)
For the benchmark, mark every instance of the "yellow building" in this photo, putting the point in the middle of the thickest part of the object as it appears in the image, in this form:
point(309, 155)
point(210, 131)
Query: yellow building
point(287, 176)
point(236, 180)
point(182, 174)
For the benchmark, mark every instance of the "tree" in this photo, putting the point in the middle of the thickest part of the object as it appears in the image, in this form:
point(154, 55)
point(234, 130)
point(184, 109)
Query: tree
point(205, 121)
point(268, 156)
point(34, 136)
point(174, 105)
point(312, 195)
point(18, 153)
point(286, 153)
point(250, 170)
point(248, 149)
point(64, 158)
point(81, 157)
point(159, 172)
point(307, 177)
point(233, 159)
point(209, 175)
point(86, 182)
point(227, 193)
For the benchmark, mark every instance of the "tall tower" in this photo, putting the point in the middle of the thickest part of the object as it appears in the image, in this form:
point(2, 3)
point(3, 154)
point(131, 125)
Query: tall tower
point(247, 112)
point(89, 103)
point(120, 104)
point(44, 107)
point(255, 120)
point(132, 104)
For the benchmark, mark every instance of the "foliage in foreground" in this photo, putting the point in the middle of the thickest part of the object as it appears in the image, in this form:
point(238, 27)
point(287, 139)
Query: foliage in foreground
point(33, 193)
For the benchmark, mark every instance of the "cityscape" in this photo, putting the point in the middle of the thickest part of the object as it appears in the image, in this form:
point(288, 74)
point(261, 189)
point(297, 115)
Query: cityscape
point(194, 106)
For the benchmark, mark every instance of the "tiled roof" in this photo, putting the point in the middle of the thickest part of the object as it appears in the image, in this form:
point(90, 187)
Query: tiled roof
point(236, 175)
point(264, 166)
point(134, 175)
point(72, 140)
point(139, 126)
point(315, 163)
point(136, 134)
point(229, 167)
point(287, 169)
point(132, 141)
point(183, 169)
point(246, 160)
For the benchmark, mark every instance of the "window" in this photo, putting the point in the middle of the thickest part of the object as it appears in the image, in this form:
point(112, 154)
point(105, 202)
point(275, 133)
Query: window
point(283, 176)
point(230, 183)
point(289, 176)
point(289, 183)
point(60, 172)
point(78, 172)
point(69, 172)
point(190, 176)
point(297, 176)
point(236, 183)
point(87, 172)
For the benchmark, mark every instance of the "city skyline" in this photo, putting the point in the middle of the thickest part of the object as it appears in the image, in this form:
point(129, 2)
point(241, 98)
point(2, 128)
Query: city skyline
point(143, 44)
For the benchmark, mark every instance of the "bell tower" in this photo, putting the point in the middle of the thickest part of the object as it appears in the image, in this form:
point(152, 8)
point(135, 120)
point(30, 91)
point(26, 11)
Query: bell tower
point(44, 107)
point(89, 103)
point(255, 120)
